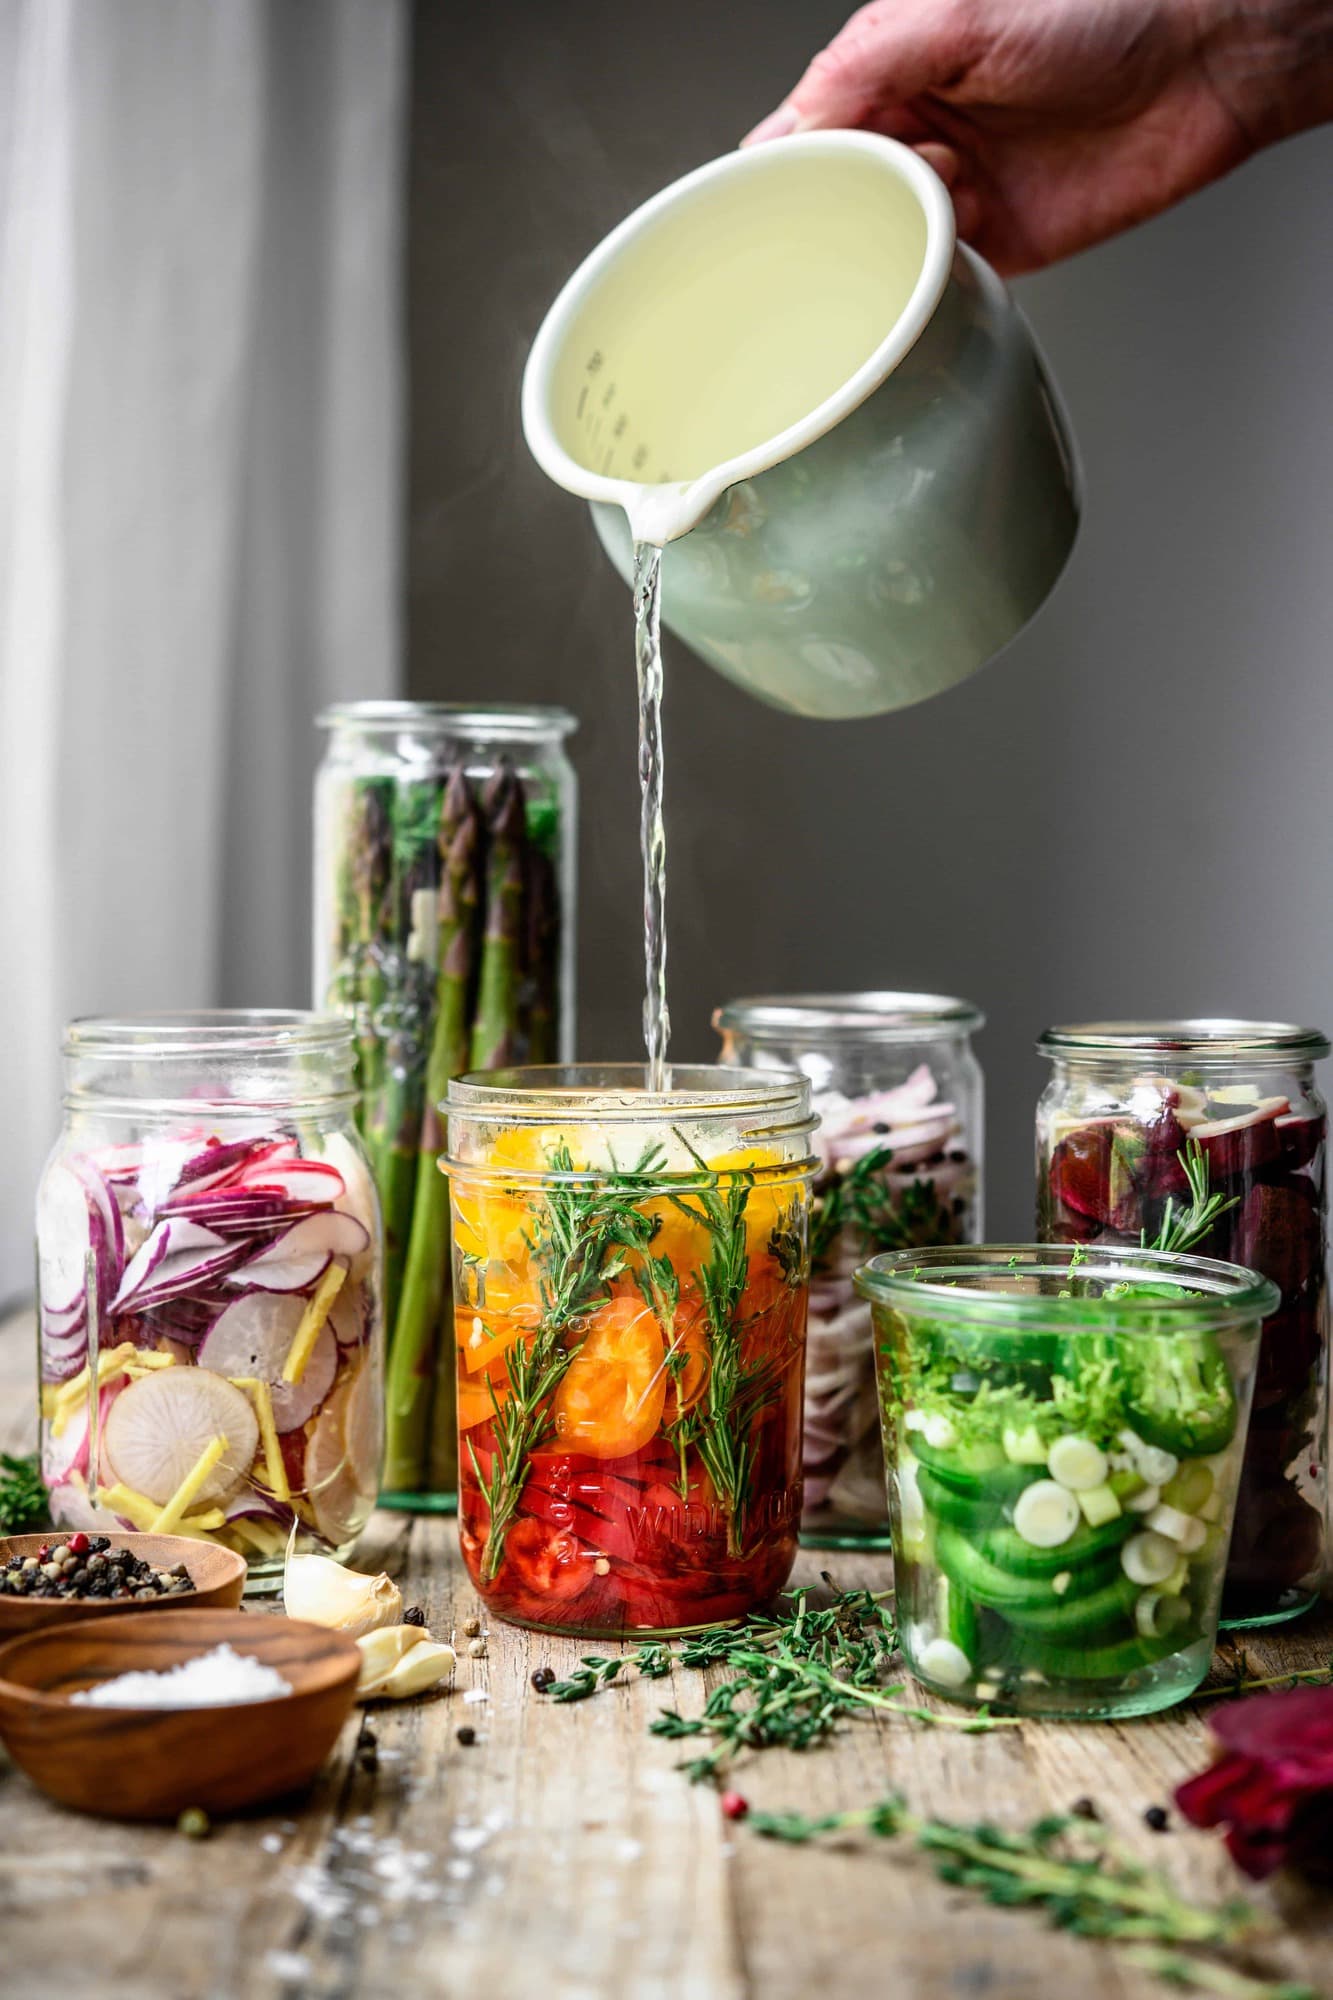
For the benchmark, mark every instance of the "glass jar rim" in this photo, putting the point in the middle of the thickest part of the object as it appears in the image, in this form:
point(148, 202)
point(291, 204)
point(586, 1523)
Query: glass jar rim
point(615, 1094)
point(306, 1056)
point(500, 722)
point(1219, 1294)
point(872, 1016)
point(1205, 1038)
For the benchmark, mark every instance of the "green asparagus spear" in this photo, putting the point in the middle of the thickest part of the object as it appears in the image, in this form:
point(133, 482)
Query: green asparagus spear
point(423, 1307)
point(410, 970)
point(495, 1028)
point(371, 871)
point(542, 945)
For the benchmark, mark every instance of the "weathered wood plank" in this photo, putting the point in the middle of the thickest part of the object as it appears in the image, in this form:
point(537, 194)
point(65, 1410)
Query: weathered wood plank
point(563, 1855)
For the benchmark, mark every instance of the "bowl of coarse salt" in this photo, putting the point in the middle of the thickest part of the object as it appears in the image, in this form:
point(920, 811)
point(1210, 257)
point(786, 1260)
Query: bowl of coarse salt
point(146, 1715)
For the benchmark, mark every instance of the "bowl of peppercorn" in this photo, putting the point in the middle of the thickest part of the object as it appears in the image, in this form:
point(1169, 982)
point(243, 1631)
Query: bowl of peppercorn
point(57, 1578)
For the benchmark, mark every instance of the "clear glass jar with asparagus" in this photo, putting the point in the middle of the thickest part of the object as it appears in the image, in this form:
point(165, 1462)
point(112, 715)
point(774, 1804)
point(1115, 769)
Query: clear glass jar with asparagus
point(445, 840)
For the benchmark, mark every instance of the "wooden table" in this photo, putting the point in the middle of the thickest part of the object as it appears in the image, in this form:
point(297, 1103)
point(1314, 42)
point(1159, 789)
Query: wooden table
point(564, 1857)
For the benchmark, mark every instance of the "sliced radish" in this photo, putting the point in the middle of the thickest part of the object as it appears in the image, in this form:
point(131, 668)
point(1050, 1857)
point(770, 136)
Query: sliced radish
point(1077, 1463)
point(299, 1257)
point(358, 1199)
point(178, 1256)
point(307, 1181)
point(159, 1426)
point(1046, 1514)
point(1149, 1558)
point(253, 1338)
point(348, 1316)
point(65, 1225)
point(343, 1456)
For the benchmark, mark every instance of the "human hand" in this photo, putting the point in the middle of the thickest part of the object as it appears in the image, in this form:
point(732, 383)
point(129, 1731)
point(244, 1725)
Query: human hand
point(1057, 123)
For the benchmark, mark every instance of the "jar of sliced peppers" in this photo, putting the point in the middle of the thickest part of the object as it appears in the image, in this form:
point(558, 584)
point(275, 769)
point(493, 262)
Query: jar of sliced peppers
point(208, 1259)
point(444, 926)
point(1210, 1136)
point(899, 1097)
point(630, 1280)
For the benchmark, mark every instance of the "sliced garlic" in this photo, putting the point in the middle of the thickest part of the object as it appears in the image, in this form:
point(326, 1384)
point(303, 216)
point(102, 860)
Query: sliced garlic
point(323, 1591)
point(399, 1660)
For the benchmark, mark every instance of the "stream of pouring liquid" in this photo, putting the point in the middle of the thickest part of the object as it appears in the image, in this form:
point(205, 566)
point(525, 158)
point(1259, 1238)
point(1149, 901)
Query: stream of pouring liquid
point(648, 662)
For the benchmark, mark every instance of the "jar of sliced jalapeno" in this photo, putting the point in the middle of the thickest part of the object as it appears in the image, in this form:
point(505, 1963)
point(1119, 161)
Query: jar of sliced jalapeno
point(1063, 1430)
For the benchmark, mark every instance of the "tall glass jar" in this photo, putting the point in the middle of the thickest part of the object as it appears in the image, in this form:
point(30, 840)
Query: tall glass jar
point(630, 1276)
point(209, 1268)
point(1064, 1430)
point(1210, 1135)
point(899, 1097)
point(445, 845)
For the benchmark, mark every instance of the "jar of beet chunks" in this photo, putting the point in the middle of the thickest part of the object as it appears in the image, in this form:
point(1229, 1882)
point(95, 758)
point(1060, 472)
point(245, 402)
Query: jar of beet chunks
point(209, 1258)
point(630, 1279)
point(898, 1094)
point(445, 840)
point(1210, 1136)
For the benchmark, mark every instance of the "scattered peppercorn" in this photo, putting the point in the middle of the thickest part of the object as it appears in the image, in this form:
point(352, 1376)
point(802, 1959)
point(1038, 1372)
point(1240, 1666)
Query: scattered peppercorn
point(1084, 1809)
point(471, 1628)
point(414, 1615)
point(476, 1649)
point(467, 1734)
point(194, 1823)
point(88, 1566)
point(1157, 1818)
point(734, 1806)
point(542, 1678)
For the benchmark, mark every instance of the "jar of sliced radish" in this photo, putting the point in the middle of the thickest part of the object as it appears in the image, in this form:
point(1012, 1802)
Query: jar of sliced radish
point(1210, 1135)
point(209, 1268)
point(898, 1093)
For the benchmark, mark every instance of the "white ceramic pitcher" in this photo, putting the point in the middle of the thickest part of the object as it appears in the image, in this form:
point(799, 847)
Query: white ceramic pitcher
point(785, 367)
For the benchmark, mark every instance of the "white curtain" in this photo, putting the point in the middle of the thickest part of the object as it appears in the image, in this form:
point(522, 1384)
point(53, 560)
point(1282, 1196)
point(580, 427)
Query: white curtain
point(201, 230)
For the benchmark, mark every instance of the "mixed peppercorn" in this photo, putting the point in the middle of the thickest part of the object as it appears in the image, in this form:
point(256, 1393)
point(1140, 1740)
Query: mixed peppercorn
point(87, 1566)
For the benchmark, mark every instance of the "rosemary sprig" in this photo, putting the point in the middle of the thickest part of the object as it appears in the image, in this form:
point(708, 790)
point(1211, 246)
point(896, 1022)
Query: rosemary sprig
point(880, 1217)
point(723, 1430)
point(578, 1248)
point(1184, 1226)
point(1243, 1682)
point(1073, 1869)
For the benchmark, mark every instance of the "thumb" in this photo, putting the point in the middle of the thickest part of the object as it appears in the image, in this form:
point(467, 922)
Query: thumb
point(886, 55)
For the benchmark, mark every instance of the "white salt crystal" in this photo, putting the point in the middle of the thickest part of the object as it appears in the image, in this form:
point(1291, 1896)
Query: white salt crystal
point(218, 1679)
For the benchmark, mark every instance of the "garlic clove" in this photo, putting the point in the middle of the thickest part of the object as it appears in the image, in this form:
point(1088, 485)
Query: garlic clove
point(326, 1593)
point(389, 1665)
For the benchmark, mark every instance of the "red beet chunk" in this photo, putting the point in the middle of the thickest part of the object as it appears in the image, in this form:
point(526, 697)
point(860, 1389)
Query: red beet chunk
point(1302, 1134)
point(1272, 1786)
point(1239, 1148)
point(1280, 1232)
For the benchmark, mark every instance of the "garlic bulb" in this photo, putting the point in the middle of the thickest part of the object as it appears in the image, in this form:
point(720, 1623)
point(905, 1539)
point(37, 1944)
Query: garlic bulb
point(400, 1660)
point(322, 1590)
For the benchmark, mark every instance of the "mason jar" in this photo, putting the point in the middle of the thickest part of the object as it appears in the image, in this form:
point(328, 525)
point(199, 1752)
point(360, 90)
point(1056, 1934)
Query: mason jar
point(1064, 1430)
point(209, 1269)
point(445, 847)
point(899, 1097)
point(630, 1278)
point(1209, 1135)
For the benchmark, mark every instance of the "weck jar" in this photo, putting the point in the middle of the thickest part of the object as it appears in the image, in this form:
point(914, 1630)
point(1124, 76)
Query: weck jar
point(899, 1096)
point(1209, 1136)
point(445, 840)
point(1063, 1428)
point(630, 1279)
point(209, 1266)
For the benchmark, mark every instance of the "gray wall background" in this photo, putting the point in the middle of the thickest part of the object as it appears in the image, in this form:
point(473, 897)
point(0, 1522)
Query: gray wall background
point(1127, 814)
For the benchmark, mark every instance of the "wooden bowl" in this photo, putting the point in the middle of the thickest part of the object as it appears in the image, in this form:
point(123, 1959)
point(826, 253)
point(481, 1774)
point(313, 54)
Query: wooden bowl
point(219, 1579)
point(151, 1763)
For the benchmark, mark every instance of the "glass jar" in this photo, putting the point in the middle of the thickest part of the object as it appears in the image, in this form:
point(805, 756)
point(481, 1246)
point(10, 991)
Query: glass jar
point(1142, 1122)
point(209, 1264)
point(445, 846)
point(1063, 1429)
point(630, 1278)
point(899, 1097)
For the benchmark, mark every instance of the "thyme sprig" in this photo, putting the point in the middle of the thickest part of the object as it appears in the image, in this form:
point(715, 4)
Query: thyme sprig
point(579, 1247)
point(880, 1217)
point(1242, 1681)
point(793, 1678)
point(22, 1494)
point(1185, 1225)
point(1077, 1872)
